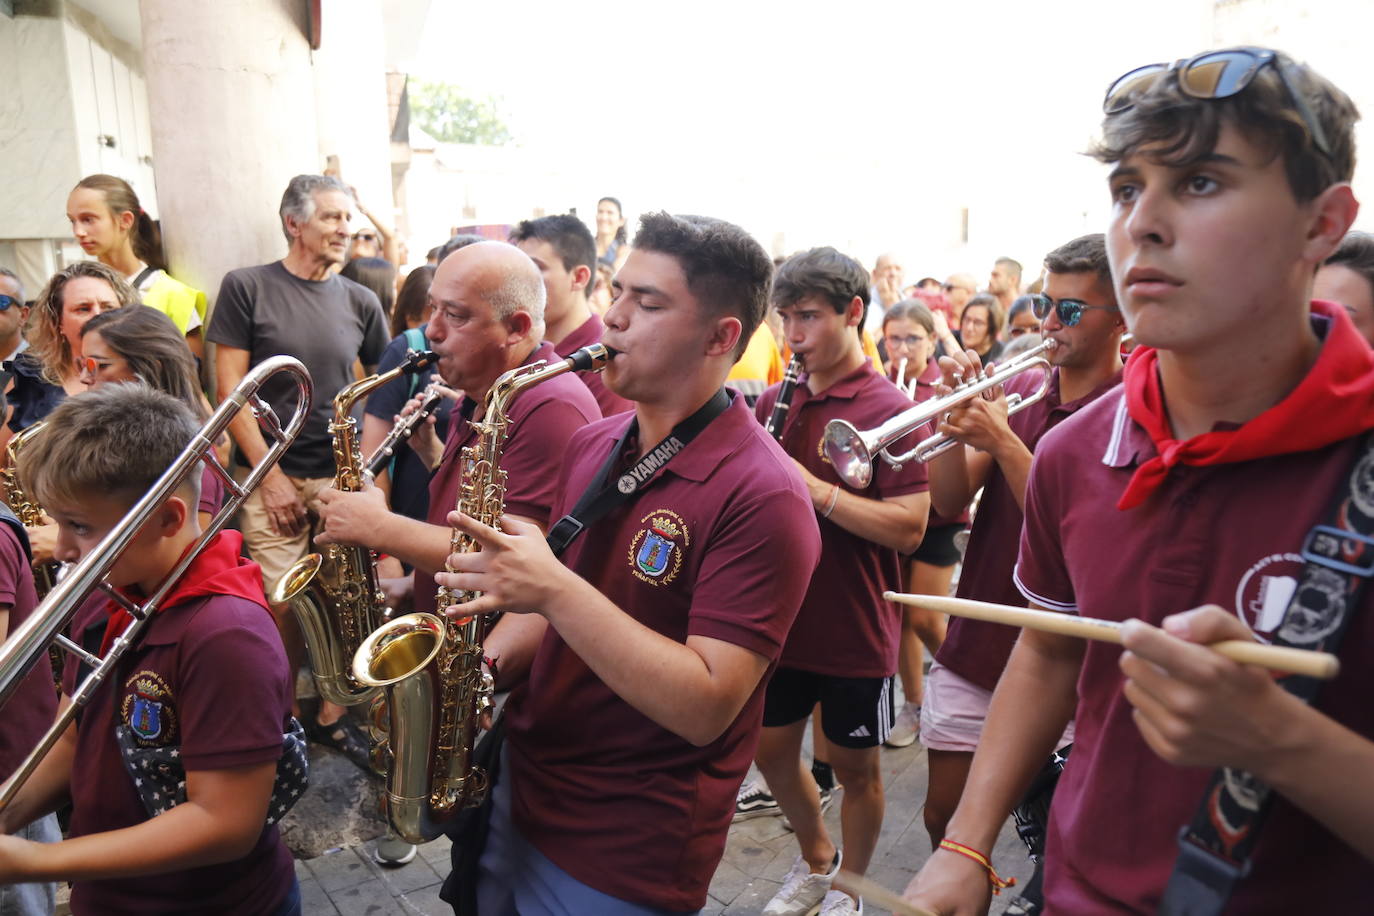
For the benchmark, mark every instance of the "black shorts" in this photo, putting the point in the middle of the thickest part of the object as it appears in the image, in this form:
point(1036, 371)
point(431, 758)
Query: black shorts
point(856, 712)
point(937, 547)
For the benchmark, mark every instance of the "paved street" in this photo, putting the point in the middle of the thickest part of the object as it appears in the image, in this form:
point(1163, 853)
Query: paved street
point(760, 851)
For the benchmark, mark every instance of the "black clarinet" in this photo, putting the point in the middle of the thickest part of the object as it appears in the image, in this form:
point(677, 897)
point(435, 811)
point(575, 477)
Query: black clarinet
point(784, 401)
point(401, 432)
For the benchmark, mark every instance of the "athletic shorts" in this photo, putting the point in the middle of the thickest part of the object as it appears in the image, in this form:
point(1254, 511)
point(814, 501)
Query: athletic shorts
point(954, 711)
point(856, 712)
point(938, 547)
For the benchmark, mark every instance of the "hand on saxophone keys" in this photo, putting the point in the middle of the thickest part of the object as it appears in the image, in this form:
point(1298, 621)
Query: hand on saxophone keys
point(514, 571)
point(351, 518)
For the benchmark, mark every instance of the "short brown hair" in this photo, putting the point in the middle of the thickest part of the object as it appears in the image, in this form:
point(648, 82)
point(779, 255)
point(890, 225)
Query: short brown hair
point(832, 275)
point(727, 270)
point(44, 331)
point(116, 441)
point(1356, 252)
point(1187, 128)
point(1085, 254)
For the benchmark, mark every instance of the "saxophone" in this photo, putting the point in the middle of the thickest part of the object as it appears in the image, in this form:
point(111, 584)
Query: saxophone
point(430, 665)
point(334, 595)
point(29, 512)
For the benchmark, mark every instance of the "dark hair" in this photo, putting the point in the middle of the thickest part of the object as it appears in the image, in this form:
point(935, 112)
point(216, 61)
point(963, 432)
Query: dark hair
point(994, 308)
point(412, 299)
point(1023, 304)
point(619, 233)
point(154, 349)
point(928, 283)
point(835, 277)
point(1085, 254)
point(1356, 252)
point(44, 328)
point(911, 310)
point(146, 237)
point(298, 200)
point(115, 441)
point(567, 234)
point(462, 240)
point(378, 275)
point(726, 269)
point(1186, 129)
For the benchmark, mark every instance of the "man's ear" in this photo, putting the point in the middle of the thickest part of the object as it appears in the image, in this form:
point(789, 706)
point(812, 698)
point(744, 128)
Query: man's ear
point(518, 326)
point(725, 334)
point(1333, 213)
point(854, 312)
point(581, 278)
point(171, 516)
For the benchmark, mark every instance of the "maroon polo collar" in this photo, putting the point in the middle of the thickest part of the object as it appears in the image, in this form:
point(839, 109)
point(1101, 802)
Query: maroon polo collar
point(847, 388)
point(703, 454)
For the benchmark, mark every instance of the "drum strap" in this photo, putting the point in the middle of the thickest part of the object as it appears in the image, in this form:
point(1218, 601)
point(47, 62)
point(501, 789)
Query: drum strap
point(1338, 554)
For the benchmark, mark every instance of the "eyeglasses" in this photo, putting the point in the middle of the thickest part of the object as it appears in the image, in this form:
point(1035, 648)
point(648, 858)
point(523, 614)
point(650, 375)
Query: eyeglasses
point(911, 342)
point(7, 301)
point(364, 237)
point(1215, 75)
point(93, 366)
point(1070, 311)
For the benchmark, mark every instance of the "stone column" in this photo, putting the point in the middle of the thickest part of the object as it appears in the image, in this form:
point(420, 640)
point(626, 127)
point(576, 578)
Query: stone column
point(231, 101)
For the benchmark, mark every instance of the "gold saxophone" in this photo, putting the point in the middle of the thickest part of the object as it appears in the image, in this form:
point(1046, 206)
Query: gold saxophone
point(29, 512)
point(334, 595)
point(430, 665)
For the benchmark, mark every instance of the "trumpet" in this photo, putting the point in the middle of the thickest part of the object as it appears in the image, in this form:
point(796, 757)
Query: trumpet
point(44, 626)
point(852, 451)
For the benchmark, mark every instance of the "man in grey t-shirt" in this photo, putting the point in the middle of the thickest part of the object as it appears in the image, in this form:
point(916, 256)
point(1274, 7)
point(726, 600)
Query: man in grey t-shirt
point(301, 307)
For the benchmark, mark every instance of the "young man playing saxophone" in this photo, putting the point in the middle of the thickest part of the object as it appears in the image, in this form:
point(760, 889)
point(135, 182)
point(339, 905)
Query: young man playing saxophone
point(641, 662)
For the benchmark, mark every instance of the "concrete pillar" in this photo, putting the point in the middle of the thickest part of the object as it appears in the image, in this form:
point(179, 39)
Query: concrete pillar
point(232, 105)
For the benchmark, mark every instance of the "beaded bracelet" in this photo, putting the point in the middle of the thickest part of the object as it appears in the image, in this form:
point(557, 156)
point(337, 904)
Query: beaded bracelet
point(998, 883)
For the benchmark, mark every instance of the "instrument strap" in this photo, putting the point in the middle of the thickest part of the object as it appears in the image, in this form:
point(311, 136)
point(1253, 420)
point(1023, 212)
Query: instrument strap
point(603, 495)
point(1214, 850)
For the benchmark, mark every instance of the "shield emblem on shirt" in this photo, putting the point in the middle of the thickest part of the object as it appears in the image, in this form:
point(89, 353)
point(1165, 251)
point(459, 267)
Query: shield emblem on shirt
point(145, 719)
point(653, 555)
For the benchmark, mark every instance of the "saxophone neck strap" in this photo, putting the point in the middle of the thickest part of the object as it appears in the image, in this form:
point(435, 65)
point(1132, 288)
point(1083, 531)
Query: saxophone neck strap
point(1338, 554)
point(605, 494)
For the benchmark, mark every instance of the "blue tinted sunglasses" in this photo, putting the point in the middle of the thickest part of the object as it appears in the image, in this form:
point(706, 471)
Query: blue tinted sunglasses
point(7, 301)
point(1070, 311)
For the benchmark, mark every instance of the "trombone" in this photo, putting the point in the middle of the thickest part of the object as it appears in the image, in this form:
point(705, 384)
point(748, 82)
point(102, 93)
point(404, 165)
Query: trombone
point(852, 451)
point(44, 626)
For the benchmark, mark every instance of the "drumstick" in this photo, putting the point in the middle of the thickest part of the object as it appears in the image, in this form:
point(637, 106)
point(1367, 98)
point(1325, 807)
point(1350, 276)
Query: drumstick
point(859, 886)
point(1320, 665)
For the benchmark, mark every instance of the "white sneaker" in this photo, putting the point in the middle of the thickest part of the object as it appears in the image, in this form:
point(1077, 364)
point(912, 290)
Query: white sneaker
point(838, 903)
point(802, 892)
point(906, 728)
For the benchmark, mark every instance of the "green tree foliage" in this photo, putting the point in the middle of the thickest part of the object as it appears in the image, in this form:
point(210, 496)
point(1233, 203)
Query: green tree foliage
point(447, 113)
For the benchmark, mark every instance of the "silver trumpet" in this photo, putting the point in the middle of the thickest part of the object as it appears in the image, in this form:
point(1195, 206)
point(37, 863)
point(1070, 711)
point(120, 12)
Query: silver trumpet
point(44, 626)
point(852, 451)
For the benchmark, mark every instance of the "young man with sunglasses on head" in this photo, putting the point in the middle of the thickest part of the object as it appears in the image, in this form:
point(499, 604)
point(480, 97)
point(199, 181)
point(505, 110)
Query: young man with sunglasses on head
point(1183, 499)
point(1079, 312)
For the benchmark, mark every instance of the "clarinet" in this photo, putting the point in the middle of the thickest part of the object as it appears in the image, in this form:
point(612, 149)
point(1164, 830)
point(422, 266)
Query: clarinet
point(785, 392)
point(401, 432)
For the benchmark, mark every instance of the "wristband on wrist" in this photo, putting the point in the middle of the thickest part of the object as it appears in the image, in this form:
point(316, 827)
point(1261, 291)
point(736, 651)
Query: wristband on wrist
point(834, 498)
point(491, 666)
point(998, 883)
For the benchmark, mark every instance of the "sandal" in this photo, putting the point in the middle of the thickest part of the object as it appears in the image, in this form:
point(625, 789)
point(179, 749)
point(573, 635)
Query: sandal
point(345, 737)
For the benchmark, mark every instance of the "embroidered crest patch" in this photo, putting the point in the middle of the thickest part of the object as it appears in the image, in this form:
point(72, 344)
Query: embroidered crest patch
point(656, 549)
point(147, 709)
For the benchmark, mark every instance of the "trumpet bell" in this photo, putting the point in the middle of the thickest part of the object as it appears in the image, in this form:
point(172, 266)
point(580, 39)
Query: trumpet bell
point(848, 452)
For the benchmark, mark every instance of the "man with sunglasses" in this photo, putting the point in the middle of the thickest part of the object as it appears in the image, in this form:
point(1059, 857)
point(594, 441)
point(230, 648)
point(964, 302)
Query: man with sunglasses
point(13, 313)
point(1079, 312)
point(1198, 785)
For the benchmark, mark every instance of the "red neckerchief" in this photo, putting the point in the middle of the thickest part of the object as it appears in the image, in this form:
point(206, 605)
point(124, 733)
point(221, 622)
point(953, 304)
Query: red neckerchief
point(1334, 401)
point(219, 570)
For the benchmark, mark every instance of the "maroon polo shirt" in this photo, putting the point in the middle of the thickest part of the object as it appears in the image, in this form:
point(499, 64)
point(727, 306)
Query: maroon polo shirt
point(974, 649)
point(844, 627)
point(1225, 535)
point(209, 675)
point(720, 544)
point(31, 708)
point(542, 420)
point(589, 332)
point(925, 390)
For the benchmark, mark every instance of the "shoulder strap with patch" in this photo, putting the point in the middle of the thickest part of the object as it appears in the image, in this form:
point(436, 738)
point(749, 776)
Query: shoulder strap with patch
point(415, 340)
point(1338, 554)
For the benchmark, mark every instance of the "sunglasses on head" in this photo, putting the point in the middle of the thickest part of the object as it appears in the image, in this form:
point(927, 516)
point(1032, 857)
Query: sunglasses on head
point(1215, 75)
point(1070, 311)
point(7, 301)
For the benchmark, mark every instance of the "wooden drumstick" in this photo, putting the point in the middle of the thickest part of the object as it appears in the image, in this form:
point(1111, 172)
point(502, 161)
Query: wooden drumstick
point(873, 892)
point(1320, 665)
